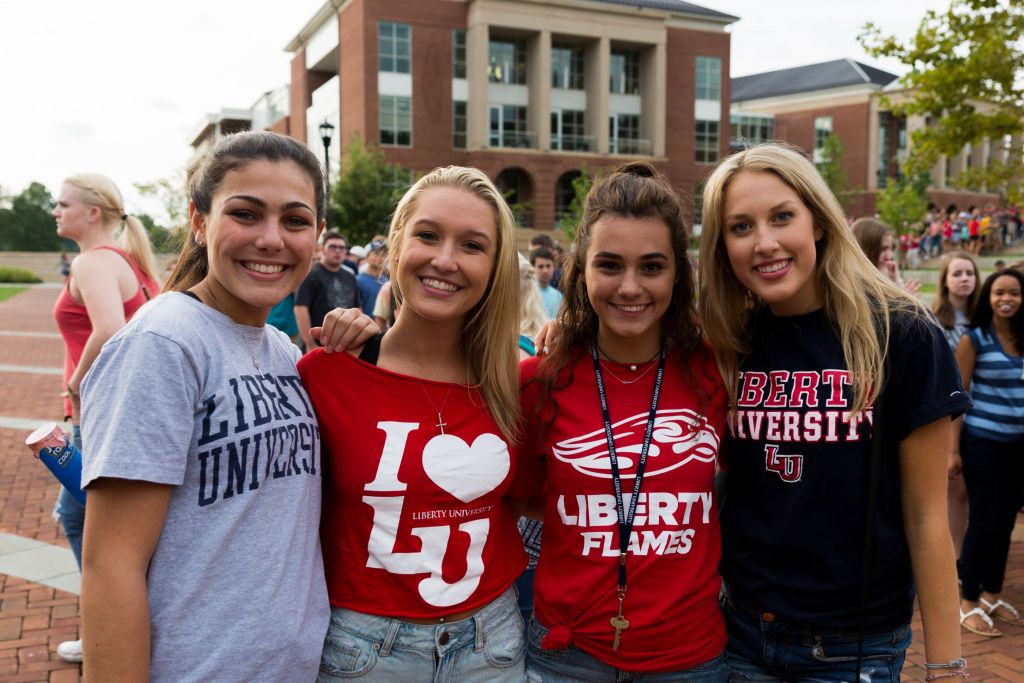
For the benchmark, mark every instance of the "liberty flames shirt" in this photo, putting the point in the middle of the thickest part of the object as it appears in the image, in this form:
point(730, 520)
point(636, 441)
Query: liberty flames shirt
point(416, 523)
point(673, 583)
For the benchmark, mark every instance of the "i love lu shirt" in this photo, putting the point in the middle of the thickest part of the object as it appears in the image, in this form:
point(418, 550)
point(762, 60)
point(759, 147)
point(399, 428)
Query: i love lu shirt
point(416, 523)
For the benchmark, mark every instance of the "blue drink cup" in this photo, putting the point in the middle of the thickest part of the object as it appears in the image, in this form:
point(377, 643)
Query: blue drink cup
point(51, 445)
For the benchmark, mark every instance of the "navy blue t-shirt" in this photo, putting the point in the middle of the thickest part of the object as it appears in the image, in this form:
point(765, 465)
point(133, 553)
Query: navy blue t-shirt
point(795, 505)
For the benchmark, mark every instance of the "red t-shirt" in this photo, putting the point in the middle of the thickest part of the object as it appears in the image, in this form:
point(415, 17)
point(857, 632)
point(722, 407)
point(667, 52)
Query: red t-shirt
point(673, 584)
point(416, 524)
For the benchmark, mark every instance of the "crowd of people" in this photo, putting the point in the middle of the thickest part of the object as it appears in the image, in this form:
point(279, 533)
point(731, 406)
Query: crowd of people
point(455, 461)
point(976, 230)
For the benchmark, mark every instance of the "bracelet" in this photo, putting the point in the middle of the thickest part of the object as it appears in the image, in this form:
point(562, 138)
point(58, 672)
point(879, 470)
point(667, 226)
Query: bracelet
point(956, 668)
point(960, 663)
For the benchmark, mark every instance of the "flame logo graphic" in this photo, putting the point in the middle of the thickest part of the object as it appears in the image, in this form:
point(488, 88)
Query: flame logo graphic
point(679, 436)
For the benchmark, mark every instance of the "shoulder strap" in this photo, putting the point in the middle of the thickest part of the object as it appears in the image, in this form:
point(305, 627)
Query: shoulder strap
point(139, 275)
point(371, 350)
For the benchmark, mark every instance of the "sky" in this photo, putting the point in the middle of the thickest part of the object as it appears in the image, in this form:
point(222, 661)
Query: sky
point(118, 86)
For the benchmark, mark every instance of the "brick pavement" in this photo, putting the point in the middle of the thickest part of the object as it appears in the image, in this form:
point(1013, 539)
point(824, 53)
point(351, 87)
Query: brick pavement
point(34, 618)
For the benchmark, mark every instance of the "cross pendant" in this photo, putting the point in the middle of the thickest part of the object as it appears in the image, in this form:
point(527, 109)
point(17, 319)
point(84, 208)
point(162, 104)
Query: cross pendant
point(441, 424)
point(620, 624)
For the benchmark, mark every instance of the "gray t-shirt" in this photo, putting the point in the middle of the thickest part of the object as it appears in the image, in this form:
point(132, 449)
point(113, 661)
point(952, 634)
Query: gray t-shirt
point(236, 583)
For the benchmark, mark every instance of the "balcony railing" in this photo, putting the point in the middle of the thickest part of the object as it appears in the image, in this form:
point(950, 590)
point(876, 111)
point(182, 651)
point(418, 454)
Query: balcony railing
point(574, 143)
point(520, 140)
point(638, 146)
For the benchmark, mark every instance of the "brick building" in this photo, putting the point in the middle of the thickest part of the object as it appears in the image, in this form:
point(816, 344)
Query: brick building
point(530, 91)
point(804, 105)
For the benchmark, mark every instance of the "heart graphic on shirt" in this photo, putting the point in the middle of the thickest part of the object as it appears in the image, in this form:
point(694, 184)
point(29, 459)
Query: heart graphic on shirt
point(467, 472)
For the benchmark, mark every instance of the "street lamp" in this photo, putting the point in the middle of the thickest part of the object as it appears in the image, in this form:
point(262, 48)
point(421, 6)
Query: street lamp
point(326, 131)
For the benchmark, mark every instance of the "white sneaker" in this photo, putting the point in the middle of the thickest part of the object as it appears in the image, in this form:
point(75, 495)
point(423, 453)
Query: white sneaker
point(70, 650)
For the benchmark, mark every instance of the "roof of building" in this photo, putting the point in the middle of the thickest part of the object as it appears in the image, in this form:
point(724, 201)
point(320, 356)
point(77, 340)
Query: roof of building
point(674, 6)
point(823, 76)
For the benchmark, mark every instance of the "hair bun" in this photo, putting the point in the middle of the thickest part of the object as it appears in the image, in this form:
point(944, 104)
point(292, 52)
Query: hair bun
point(641, 169)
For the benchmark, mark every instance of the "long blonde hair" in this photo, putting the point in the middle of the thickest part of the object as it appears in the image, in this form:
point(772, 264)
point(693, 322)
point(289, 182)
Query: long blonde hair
point(857, 297)
point(490, 332)
point(531, 308)
point(100, 191)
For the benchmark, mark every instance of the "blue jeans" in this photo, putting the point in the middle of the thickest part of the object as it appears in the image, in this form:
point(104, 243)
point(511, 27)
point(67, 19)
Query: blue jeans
point(485, 647)
point(70, 511)
point(573, 664)
point(771, 650)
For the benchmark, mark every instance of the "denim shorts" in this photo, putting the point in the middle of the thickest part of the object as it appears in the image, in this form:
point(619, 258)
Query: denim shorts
point(488, 646)
point(764, 649)
point(572, 664)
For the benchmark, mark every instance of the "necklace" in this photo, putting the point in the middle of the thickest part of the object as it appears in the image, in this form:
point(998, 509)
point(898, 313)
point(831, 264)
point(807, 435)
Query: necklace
point(263, 338)
point(636, 379)
point(631, 366)
point(441, 424)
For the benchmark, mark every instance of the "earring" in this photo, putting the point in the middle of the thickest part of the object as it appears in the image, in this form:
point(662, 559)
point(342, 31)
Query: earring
point(199, 241)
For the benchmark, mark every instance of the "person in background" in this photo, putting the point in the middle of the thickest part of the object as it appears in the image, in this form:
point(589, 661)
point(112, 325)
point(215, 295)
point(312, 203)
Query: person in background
point(387, 306)
point(876, 240)
point(107, 283)
point(955, 301)
point(282, 316)
point(988, 447)
point(543, 262)
point(371, 274)
point(65, 266)
point(841, 385)
point(541, 239)
point(203, 473)
point(328, 286)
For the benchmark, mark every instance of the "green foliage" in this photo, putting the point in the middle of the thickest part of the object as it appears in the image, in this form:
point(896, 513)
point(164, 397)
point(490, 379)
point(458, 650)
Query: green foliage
point(172, 193)
point(902, 203)
point(831, 168)
point(7, 292)
point(26, 223)
point(364, 196)
point(164, 240)
point(8, 274)
point(965, 75)
point(581, 185)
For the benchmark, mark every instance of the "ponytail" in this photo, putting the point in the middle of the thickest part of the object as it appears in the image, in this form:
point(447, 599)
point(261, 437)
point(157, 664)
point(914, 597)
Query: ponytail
point(101, 192)
point(135, 240)
point(191, 267)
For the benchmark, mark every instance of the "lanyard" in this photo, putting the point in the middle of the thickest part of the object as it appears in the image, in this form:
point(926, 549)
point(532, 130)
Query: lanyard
point(626, 518)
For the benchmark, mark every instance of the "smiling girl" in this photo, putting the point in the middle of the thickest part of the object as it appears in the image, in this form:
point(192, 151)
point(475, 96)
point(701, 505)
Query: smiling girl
point(419, 428)
point(991, 358)
point(624, 418)
point(202, 557)
point(842, 392)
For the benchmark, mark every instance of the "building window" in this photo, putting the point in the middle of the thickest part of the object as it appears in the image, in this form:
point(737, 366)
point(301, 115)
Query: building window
point(398, 181)
point(625, 72)
point(459, 125)
point(882, 163)
point(507, 62)
point(568, 130)
point(707, 147)
point(393, 47)
point(458, 53)
point(508, 126)
point(822, 129)
point(750, 129)
point(567, 67)
point(709, 78)
point(624, 134)
point(395, 121)
point(565, 193)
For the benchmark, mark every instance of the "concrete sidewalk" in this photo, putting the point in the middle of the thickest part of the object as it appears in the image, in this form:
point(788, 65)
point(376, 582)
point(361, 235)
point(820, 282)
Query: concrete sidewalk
point(38, 584)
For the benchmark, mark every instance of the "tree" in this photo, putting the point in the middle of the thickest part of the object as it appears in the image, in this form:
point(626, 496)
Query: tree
point(903, 202)
point(164, 240)
point(172, 193)
point(365, 194)
point(965, 76)
point(27, 225)
point(831, 168)
point(580, 186)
